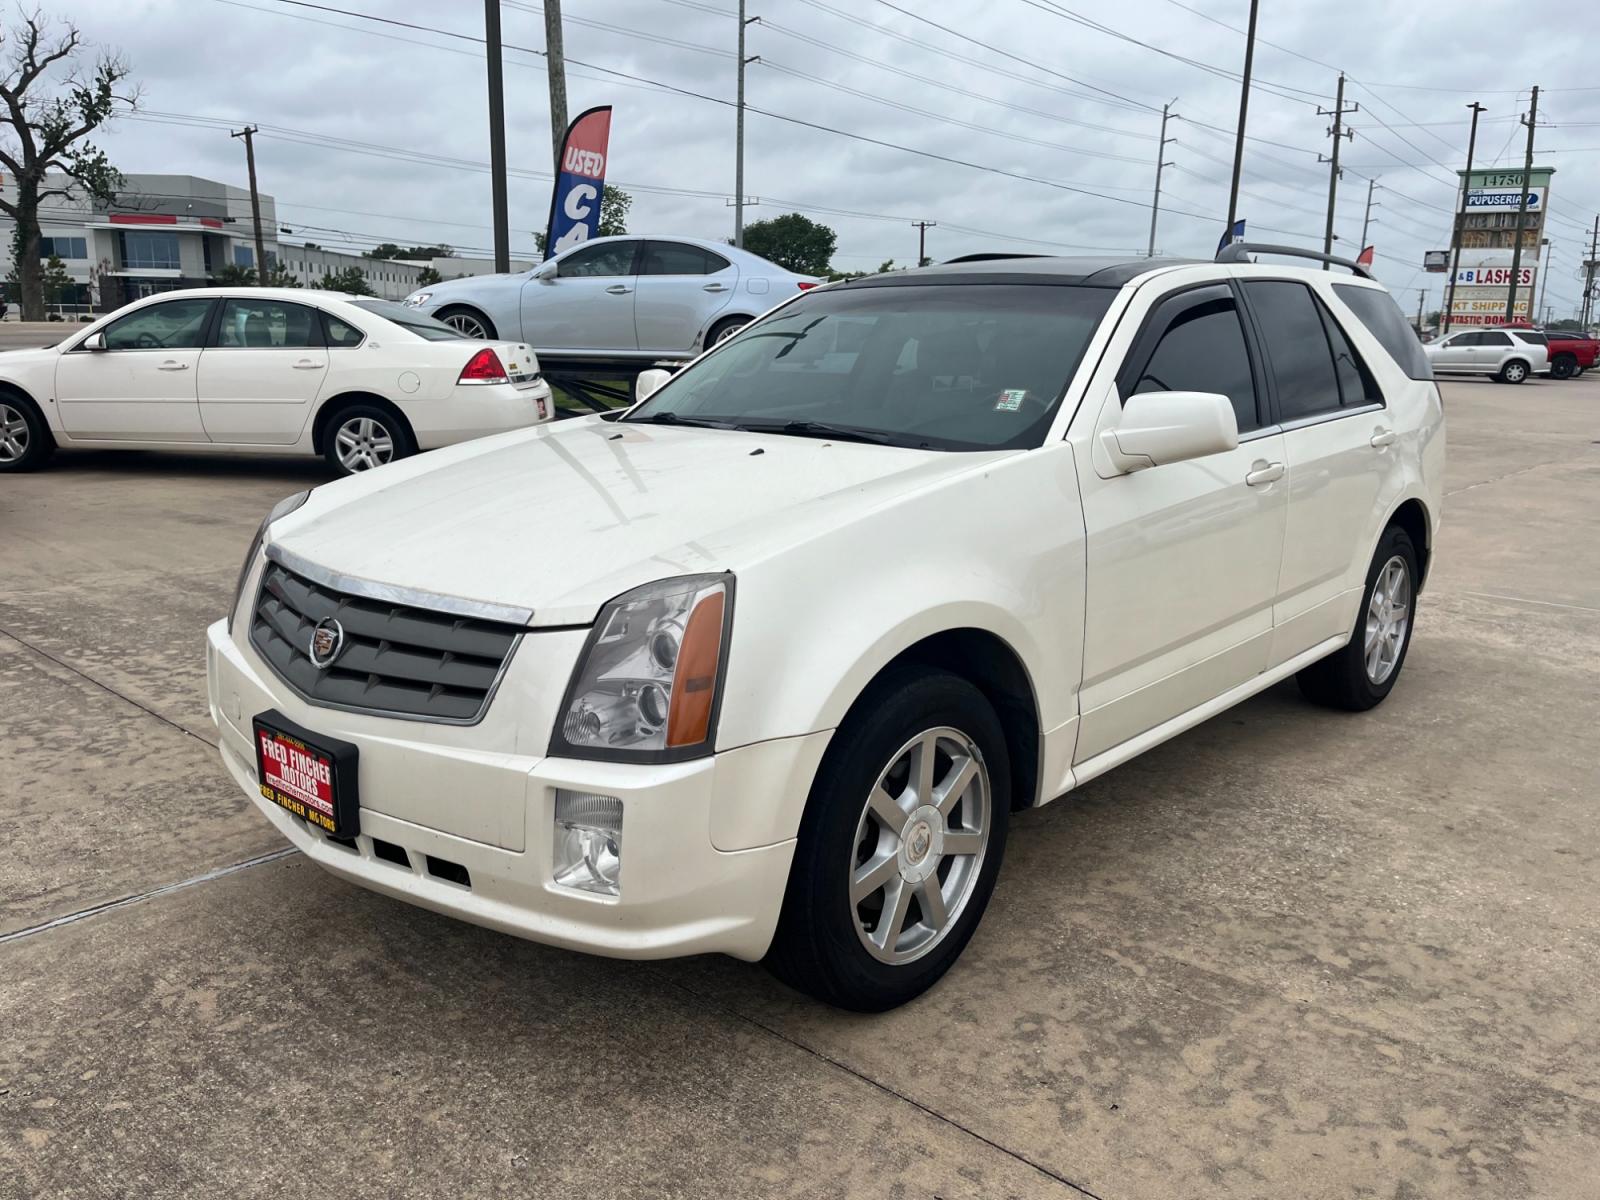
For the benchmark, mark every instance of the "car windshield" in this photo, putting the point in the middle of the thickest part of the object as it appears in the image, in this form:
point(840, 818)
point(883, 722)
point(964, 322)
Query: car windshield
point(425, 328)
point(940, 366)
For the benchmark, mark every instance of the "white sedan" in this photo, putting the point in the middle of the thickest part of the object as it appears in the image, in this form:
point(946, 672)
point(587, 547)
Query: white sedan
point(764, 666)
point(268, 371)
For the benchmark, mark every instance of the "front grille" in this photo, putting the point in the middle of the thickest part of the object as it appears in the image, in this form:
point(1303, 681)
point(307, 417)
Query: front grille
point(411, 662)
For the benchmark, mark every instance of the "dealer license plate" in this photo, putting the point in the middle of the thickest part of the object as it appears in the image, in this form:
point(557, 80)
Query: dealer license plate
point(308, 775)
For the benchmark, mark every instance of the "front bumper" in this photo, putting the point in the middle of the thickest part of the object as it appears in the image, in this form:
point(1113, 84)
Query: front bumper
point(679, 893)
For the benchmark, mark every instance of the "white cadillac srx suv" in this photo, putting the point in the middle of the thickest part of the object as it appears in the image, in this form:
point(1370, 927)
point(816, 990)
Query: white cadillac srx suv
point(764, 666)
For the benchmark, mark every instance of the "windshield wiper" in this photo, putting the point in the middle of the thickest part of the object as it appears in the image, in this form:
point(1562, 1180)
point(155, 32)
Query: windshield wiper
point(671, 418)
point(822, 429)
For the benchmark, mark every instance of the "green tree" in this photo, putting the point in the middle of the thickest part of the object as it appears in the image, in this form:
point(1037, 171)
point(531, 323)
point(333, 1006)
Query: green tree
point(614, 206)
point(279, 276)
point(233, 275)
point(352, 281)
point(54, 281)
point(44, 131)
point(885, 266)
point(794, 242)
point(427, 277)
point(391, 250)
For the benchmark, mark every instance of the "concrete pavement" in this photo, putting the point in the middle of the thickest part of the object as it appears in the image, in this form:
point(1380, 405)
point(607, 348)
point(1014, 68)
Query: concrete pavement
point(1291, 953)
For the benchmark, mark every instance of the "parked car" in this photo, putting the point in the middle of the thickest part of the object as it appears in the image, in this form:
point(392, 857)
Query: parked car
point(618, 298)
point(1509, 355)
point(764, 666)
point(265, 371)
point(1571, 354)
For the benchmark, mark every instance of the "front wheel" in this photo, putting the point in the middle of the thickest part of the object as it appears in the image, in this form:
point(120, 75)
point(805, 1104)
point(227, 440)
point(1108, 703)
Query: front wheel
point(363, 437)
point(1360, 675)
point(468, 323)
point(1514, 371)
point(901, 844)
point(25, 440)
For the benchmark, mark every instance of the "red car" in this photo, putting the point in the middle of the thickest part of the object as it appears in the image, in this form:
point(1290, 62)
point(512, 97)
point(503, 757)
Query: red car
point(1571, 353)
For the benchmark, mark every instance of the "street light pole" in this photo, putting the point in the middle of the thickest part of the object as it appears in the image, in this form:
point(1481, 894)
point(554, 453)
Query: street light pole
point(1522, 208)
point(248, 133)
point(1244, 108)
point(497, 137)
point(1155, 203)
point(1461, 219)
point(738, 149)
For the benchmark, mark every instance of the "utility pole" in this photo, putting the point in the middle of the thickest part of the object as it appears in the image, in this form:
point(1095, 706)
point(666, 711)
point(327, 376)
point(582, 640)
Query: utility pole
point(1461, 218)
point(1366, 221)
point(1588, 278)
point(248, 133)
point(1338, 131)
point(1544, 271)
point(1522, 208)
point(738, 148)
point(497, 137)
point(922, 228)
point(556, 68)
point(1244, 107)
point(1421, 295)
point(1161, 151)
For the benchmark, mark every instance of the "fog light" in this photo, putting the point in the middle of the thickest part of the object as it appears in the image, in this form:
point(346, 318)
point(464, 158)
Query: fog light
point(588, 842)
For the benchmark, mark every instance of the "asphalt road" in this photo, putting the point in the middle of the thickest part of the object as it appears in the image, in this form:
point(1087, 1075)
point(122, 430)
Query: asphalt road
point(1289, 954)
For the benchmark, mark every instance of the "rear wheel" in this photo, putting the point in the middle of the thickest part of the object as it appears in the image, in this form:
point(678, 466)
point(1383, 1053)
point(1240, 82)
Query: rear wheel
point(25, 440)
point(364, 436)
point(900, 847)
point(468, 323)
point(725, 329)
point(1563, 366)
point(1514, 371)
point(1359, 676)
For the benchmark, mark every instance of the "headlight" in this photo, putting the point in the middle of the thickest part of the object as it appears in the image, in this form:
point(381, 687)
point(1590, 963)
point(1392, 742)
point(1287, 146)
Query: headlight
point(649, 681)
point(417, 299)
point(281, 509)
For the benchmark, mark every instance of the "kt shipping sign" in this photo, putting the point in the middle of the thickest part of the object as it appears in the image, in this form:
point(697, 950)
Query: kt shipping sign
point(575, 202)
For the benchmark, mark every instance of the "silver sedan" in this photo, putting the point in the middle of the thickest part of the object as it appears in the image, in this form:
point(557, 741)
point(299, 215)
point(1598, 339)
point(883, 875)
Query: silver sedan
point(617, 298)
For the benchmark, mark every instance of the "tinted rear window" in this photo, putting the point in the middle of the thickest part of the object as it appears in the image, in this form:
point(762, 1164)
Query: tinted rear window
point(1381, 315)
point(411, 321)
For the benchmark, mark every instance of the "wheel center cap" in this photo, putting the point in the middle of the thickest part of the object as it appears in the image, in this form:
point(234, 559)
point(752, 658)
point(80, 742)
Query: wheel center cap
point(921, 844)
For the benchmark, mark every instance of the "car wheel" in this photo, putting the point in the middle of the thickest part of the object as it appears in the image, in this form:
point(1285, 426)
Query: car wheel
point(25, 440)
point(900, 847)
point(725, 329)
point(364, 436)
point(1564, 367)
point(1358, 676)
point(1514, 371)
point(468, 323)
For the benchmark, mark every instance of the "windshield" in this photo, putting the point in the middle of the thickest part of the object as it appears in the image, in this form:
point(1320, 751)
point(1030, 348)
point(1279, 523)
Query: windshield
point(425, 328)
point(946, 367)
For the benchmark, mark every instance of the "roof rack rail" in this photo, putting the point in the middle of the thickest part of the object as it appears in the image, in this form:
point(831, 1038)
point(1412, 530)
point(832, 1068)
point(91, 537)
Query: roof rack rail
point(990, 256)
point(1240, 252)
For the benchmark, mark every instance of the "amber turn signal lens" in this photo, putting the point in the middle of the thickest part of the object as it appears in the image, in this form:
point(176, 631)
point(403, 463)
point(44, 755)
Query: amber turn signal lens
point(695, 682)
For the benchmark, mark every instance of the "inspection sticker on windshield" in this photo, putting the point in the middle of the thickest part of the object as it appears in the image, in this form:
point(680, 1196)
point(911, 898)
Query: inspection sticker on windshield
point(1010, 400)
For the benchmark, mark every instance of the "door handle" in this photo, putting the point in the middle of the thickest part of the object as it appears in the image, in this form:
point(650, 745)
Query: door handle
point(715, 287)
point(305, 364)
point(619, 289)
point(1264, 472)
point(1382, 438)
point(173, 365)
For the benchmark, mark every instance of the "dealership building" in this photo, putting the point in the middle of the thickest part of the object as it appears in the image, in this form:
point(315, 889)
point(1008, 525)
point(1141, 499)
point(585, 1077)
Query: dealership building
point(165, 232)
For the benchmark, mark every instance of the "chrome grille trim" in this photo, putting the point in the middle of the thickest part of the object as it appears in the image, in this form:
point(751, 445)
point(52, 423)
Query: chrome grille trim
point(482, 610)
point(400, 661)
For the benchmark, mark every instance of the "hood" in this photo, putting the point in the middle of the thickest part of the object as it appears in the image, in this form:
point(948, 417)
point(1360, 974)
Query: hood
point(561, 518)
point(467, 284)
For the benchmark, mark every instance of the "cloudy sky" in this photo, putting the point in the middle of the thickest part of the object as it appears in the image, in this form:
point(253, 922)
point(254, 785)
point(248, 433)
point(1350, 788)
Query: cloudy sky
point(1015, 124)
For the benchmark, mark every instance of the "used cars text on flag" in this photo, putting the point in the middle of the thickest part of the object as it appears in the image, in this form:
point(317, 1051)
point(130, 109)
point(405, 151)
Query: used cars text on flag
point(580, 182)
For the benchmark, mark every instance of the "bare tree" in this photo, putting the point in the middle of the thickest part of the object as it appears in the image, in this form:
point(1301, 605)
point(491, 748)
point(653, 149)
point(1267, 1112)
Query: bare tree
point(43, 132)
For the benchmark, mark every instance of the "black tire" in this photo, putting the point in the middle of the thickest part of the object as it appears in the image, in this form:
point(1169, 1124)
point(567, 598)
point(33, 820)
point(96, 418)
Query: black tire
point(1564, 366)
point(1342, 680)
point(817, 948)
point(401, 443)
point(725, 328)
point(464, 320)
point(1515, 371)
point(25, 440)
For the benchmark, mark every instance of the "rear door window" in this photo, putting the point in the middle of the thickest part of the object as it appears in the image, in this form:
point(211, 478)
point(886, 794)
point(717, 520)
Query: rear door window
point(1297, 348)
point(1376, 309)
point(1357, 387)
point(676, 258)
point(1494, 339)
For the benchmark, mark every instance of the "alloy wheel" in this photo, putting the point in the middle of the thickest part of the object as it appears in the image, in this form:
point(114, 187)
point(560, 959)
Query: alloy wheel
point(362, 444)
point(1388, 618)
point(727, 332)
point(919, 845)
point(1515, 373)
point(13, 434)
point(467, 325)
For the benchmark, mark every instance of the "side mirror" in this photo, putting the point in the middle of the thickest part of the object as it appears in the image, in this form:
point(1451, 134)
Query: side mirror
point(1158, 428)
point(545, 271)
point(649, 383)
point(95, 341)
